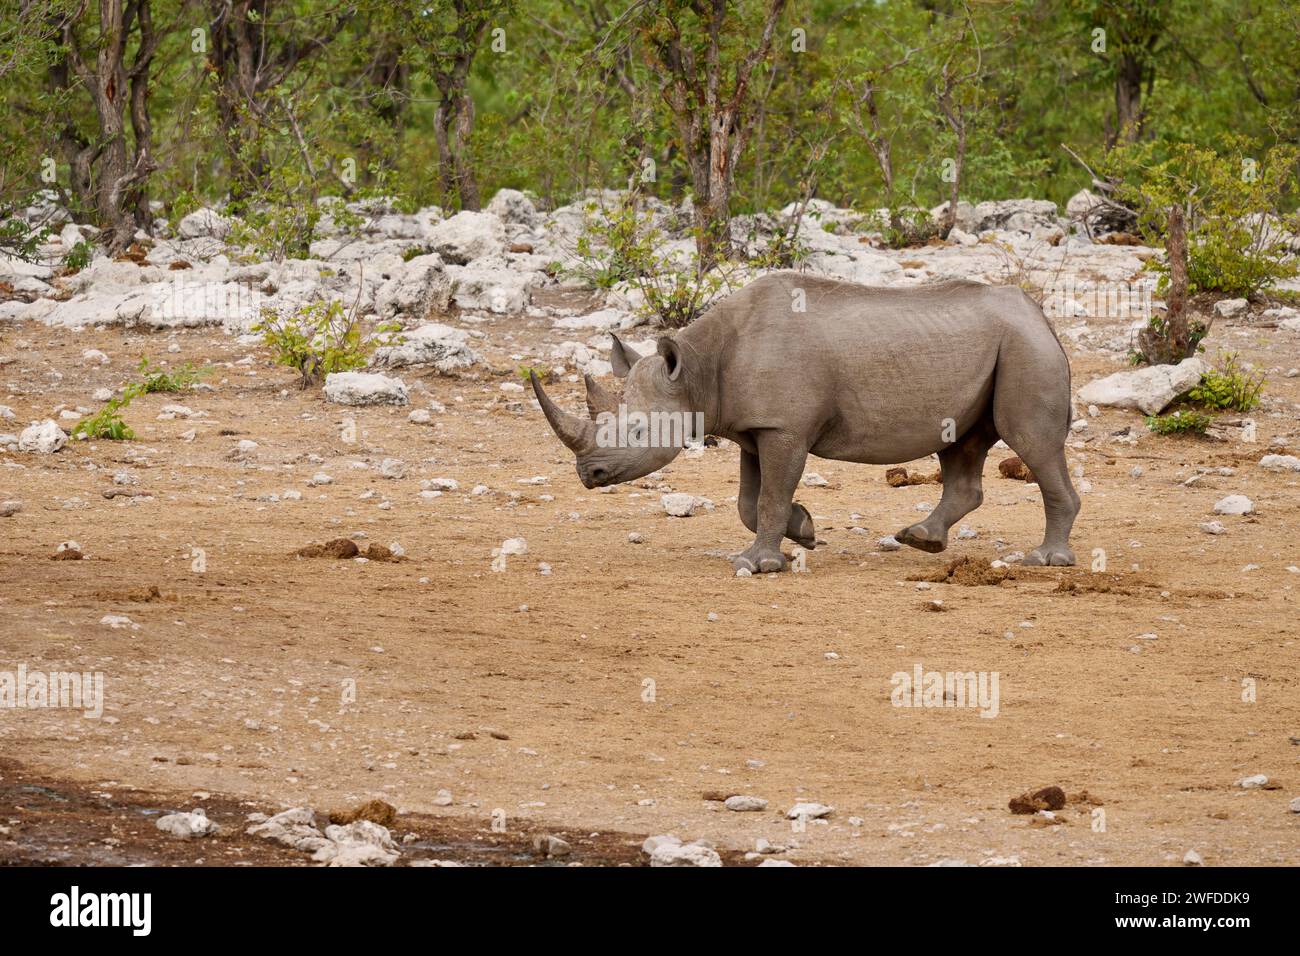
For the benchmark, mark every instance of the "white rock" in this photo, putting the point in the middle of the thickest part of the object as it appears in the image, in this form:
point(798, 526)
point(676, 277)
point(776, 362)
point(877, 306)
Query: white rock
point(392, 468)
point(745, 804)
point(512, 206)
point(417, 290)
point(492, 285)
point(889, 543)
point(679, 505)
point(294, 828)
point(421, 416)
point(361, 843)
point(1213, 527)
point(814, 480)
point(1234, 505)
point(445, 348)
point(653, 843)
point(1253, 782)
point(1192, 858)
point(467, 236)
point(1231, 308)
point(10, 508)
point(1150, 390)
point(94, 355)
point(684, 854)
point(441, 484)
point(44, 438)
point(187, 825)
point(202, 224)
point(1280, 462)
point(810, 810)
point(514, 546)
point(364, 388)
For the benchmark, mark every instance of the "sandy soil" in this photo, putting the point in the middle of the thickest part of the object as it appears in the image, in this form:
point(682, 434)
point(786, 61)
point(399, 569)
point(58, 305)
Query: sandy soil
point(527, 692)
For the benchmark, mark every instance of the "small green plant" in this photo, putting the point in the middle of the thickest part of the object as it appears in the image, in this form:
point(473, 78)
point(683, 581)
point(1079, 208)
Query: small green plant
point(1229, 386)
point(320, 338)
point(78, 257)
point(615, 245)
point(156, 380)
point(1180, 422)
point(909, 227)
point(542, 372)
point(1157, 330)
point(107, 422)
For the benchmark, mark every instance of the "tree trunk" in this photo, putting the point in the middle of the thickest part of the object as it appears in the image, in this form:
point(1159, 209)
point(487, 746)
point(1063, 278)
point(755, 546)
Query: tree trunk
point(1128, 100)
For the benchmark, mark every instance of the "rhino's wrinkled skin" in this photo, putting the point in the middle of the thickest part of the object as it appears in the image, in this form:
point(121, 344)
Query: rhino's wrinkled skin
point(879, 376)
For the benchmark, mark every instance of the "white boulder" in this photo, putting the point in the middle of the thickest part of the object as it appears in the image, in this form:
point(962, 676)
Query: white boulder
point(364, 388)
point(1149, 390)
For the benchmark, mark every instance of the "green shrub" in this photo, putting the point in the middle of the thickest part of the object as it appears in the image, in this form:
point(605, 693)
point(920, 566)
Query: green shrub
point(622, 247)
point(156, 380)
point(78, 257)
point(1230, 386)
point(107, 422)
point(1179, 423)
point(320, 338)
point(1229, 196)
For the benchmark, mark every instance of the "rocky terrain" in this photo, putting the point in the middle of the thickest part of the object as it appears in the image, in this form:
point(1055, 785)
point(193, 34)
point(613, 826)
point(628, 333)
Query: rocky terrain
point(394, 588)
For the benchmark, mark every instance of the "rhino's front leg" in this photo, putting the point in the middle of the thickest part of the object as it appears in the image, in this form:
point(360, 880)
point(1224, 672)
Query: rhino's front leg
point(799, 529)
point(780, 463)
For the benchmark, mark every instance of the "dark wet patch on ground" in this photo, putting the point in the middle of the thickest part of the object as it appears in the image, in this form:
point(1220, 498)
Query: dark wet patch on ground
point(44, 822)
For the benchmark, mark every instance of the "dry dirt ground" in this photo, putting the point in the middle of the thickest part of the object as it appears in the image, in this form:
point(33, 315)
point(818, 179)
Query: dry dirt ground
point(614, 694)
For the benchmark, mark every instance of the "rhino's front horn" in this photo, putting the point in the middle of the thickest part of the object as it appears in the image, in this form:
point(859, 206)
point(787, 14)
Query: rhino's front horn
point(598, 398)
point(577, 433)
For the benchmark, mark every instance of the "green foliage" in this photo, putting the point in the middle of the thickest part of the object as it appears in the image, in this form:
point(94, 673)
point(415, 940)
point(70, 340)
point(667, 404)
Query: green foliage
point(1181, 422)
point(1233, 197)
point(542, 372)
point(1229, 386)
point(320, 338)
point(625, 246)
point(157, 380)
point(78, 257)
point(107, 422)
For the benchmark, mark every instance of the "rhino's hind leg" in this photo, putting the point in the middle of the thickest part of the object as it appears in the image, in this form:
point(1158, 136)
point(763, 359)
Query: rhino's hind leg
point(1060, 504)
point(780, 462)
point(799, 528)
point(962, 467)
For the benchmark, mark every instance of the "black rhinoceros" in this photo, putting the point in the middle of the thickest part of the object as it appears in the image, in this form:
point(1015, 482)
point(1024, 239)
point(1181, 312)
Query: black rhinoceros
point(793, 365)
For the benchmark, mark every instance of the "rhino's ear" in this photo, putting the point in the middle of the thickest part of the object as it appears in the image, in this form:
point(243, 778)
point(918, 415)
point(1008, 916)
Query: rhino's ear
point(672, 356)
point(621, 357)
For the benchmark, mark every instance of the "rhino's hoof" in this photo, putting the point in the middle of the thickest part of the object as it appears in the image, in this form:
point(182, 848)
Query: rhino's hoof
point(802, 531)
point(919, 536)
point(1056, 557)
point(759, 562)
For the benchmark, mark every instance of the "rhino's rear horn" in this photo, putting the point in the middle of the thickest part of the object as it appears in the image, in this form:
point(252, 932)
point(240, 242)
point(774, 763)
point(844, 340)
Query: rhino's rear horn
point(599, 399)
point(576, 433)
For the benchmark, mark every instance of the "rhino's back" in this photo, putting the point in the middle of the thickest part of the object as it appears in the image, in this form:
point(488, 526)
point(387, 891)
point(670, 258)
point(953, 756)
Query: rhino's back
point(879, 370)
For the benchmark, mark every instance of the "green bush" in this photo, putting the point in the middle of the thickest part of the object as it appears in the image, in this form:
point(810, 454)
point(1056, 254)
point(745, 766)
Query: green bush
point(622, 247)
point(156, 380)
point(1179, 423)
point(78, 257)
point(1230, 386)
point(320, 338)
point(1230, 197)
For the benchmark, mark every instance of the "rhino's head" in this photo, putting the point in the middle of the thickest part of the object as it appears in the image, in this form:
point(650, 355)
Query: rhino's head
point(630, 435)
